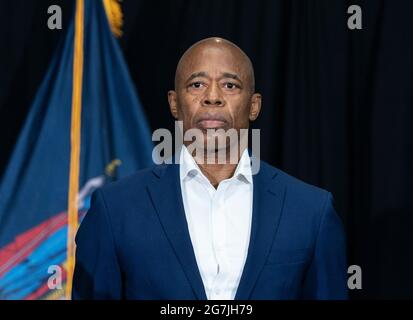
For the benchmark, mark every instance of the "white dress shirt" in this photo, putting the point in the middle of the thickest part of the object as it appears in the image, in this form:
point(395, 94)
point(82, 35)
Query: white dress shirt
point(219, 222)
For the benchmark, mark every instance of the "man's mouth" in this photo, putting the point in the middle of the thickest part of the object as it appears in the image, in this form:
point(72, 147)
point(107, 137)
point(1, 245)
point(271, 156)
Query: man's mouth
point(211, 123)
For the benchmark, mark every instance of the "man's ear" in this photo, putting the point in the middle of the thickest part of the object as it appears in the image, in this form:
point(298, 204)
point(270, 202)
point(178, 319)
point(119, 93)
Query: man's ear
point(255, 106)
point(173, 104)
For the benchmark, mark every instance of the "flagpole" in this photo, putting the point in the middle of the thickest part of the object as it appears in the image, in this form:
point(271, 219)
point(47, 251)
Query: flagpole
point(75, 130)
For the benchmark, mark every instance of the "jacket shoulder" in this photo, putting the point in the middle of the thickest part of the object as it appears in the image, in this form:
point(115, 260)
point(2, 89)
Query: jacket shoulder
point(305, 193)
point(305, 206)
point(133, 183)
point(291, 180)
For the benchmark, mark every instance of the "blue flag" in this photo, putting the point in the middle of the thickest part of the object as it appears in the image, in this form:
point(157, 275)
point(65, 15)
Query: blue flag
point(114, 141)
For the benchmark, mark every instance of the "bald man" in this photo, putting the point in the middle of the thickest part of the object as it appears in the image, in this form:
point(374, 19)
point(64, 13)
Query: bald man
point(201, 228)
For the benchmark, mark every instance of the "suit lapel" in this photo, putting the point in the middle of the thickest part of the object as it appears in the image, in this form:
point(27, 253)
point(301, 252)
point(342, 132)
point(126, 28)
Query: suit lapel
point(268, 200)
point(167, 200)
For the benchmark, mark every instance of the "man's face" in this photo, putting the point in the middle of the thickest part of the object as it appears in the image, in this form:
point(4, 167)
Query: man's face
point(214, 90)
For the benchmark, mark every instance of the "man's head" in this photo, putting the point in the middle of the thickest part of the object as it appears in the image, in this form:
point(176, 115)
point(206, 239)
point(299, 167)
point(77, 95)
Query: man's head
point(214, 87)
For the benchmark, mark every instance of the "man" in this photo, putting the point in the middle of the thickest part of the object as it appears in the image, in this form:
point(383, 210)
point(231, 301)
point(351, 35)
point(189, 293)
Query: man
point(206, 230)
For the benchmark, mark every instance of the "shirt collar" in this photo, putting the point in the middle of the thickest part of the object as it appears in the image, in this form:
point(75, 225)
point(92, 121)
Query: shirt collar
point(244, 167)
point(187, 164)
point(189, 168)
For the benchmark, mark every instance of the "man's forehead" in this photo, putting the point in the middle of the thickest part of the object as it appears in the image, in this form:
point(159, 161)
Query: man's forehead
point(212, 60)
point(215, 55)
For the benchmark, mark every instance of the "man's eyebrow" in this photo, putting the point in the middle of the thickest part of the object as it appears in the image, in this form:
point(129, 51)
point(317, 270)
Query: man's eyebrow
point(205, 75)
point(231, 75)
point(196, 75)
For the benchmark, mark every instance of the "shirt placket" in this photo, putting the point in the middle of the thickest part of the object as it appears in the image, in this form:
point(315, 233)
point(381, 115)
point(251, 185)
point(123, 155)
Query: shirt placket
point(219, 238)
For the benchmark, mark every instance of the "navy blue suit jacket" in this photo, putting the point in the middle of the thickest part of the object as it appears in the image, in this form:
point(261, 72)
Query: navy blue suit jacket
point(134, 242)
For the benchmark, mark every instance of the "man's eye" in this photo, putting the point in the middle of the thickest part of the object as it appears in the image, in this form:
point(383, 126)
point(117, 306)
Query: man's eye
point(230, 85)
point(196, 85)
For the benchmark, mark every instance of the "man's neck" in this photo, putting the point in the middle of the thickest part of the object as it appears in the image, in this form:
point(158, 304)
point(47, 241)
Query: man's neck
point(217, 172)
point(214, 171)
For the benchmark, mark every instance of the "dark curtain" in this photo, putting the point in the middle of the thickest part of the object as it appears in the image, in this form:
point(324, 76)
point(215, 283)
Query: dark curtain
point(337, 103)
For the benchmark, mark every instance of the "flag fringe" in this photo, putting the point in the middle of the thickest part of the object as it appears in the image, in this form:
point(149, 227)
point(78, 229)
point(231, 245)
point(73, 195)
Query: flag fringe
point(115, 16)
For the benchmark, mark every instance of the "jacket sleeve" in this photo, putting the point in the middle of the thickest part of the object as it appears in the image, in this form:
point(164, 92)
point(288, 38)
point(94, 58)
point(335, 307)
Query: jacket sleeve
point(97, 272)
point(326, 277)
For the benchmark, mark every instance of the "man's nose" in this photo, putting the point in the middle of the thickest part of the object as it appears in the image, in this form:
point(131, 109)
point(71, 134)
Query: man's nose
point(213, 96)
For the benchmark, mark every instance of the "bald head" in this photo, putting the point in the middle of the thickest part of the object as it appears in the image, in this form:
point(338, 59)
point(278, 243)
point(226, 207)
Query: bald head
point(200, 50)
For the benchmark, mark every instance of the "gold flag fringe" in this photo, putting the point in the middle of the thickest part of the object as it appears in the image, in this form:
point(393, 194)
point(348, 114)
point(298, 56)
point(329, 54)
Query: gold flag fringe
point(115, 16)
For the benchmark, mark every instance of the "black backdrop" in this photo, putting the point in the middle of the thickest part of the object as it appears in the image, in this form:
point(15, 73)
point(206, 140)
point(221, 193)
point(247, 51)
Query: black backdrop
point(337, 103)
